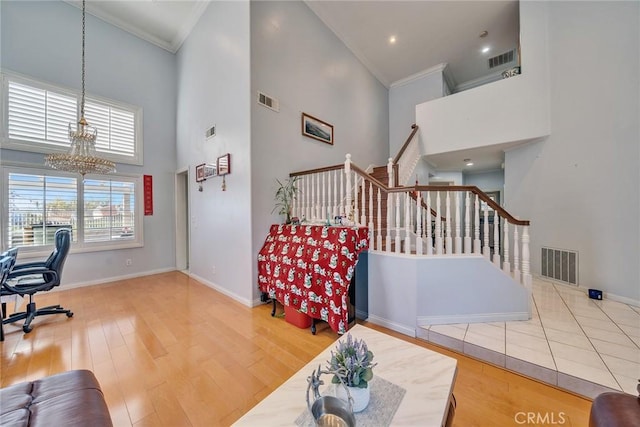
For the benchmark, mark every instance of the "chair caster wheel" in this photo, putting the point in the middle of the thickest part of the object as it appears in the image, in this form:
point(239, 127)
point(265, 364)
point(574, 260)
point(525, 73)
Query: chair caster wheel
point(26, 329)
point(70, 314)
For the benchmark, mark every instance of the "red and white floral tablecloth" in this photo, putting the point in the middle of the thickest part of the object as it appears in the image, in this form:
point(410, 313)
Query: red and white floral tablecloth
point(310, 268)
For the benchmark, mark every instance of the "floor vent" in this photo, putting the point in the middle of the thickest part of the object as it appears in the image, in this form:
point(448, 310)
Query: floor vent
point(268, 101)
point(502, 59)
point(560, 265)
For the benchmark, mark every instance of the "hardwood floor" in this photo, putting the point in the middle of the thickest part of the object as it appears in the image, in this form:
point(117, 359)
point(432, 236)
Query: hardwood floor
point(169, 351)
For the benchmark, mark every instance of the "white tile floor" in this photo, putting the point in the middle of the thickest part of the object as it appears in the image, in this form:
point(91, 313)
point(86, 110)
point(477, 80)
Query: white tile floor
point(579, 344)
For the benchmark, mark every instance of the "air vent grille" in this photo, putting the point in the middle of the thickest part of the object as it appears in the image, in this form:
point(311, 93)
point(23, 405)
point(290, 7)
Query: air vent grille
point(560, 265)
point(502, 59)
point(268, 101)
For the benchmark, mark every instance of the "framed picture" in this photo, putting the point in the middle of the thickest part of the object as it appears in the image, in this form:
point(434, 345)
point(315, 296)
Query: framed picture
point(224, 164)
point(210, 171)
point(317, 129)
point(200, 172)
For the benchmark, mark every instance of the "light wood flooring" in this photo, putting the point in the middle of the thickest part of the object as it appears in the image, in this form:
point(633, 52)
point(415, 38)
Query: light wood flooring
point(169, 351)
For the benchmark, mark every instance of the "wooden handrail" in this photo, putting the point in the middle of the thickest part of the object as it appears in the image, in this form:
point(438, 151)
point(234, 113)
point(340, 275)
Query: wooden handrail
point(319, 170)
point(406, 143)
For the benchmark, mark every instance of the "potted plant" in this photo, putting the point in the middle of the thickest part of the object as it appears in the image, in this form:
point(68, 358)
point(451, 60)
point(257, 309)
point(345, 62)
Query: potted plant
point(351, 365)
point(285, 194)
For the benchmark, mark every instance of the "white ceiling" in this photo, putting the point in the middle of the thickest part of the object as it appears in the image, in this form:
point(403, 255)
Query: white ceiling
point(427, 33)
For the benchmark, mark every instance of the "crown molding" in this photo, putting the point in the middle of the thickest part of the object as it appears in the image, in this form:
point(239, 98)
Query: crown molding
point(422, 74)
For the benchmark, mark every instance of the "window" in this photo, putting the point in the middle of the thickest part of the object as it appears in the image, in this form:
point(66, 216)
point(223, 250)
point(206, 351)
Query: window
point(102, 212)
point(38, 115)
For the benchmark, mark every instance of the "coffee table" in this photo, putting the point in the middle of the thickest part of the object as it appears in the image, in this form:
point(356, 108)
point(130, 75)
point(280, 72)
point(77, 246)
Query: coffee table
point(428, 378)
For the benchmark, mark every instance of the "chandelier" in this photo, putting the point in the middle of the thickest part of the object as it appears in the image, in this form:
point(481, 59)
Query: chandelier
point(82, 157)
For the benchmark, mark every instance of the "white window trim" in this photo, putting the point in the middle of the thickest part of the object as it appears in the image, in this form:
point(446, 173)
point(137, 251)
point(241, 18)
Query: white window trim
point(76, 247)
point(22, 145)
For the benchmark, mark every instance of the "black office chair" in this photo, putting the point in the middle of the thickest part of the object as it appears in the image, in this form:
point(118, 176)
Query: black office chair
point(6, 263)
point(33, 277)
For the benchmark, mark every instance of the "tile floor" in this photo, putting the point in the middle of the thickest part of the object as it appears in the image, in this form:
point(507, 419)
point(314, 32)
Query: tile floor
point(579, 344)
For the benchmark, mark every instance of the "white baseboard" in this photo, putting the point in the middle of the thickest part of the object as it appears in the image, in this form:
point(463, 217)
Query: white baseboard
point(224, 291)
point(403, 329)
point(472, 318)
point(112, 279)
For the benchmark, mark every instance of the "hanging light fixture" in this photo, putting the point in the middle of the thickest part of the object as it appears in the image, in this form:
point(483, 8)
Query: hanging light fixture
point(82, 157)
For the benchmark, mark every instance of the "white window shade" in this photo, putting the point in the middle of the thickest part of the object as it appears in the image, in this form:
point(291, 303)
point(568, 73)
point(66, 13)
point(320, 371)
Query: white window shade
point(39, 115)
point(37, 118)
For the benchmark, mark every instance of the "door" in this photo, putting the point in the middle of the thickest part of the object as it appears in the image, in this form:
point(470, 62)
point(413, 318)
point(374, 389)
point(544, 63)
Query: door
point(182, 220)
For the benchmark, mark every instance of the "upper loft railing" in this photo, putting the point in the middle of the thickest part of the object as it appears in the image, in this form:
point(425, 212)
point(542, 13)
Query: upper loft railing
point(419, 220)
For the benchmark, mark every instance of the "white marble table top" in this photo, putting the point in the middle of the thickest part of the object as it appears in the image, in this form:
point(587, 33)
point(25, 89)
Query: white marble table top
point(427, 376)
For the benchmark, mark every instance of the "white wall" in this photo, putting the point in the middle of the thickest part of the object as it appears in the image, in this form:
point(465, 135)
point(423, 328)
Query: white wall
point(486, 181)
point(213, 88)
point(508, 110)
point(579, 186)
point(404, 95)
point(298, 60)
point(42, 39)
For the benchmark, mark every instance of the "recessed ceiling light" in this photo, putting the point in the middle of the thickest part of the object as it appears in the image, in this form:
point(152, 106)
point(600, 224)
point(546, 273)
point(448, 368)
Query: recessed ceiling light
point(484, 34)
point(469, 163)
point(392, 40)
point(486, 49)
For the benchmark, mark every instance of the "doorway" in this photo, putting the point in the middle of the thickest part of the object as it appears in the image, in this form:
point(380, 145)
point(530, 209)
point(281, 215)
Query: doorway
point(182, 220)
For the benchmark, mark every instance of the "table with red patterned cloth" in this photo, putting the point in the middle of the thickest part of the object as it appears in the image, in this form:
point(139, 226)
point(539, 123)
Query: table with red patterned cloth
point(310, 268)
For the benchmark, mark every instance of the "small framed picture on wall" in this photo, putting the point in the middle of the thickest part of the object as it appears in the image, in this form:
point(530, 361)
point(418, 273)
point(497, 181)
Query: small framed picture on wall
point(317, 129)
point(224, 164)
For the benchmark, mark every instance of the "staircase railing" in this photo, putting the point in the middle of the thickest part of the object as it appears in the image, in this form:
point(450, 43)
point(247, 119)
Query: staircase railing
point(404, 163)
point(420, 220)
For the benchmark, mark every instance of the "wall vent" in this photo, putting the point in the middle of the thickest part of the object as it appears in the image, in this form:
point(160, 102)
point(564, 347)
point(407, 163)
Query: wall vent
point(268, 101)
point(502, 59)
point(560, 265)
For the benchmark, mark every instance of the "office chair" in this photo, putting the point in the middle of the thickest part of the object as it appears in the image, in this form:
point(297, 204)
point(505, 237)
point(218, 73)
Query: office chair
point(33, 277)
point(6, 263)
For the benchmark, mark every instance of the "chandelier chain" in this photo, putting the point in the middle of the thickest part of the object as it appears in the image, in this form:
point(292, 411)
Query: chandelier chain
point(83, 35)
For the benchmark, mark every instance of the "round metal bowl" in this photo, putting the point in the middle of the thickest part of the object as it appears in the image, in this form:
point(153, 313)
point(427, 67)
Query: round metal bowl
point(330, 411)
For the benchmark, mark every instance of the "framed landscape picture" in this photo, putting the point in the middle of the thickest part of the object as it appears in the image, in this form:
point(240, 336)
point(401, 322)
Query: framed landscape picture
point(317, 129)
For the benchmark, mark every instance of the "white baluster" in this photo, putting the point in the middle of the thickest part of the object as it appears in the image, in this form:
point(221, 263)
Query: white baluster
point(389, 203)
point(458, 239)
point(313, 197)
point(496, 238)
point(486, 250)
point(325, 207)
point(356, 217)
point(506, 267)
point(329, 205)
point(342, 209)
point(397, 223)
point(347, 172)
point(516, 255)
point(467, 225)
point(307, 198)
point(372, 233)
point(448, 245)
point(336, 206)
point(407, 224)
point(427, 226)
point(379, 241)
point(476, 226)
point(319, 214)
point(526, 273)
point(418, 224)
point(363, 212)
point(438, 230)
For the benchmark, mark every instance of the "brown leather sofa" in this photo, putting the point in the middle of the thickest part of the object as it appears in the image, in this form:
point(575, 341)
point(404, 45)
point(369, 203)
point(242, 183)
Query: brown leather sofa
point(72, 398)
point(615, 410)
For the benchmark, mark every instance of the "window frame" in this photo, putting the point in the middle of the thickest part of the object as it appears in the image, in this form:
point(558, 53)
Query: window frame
point(78, 246)
point(45, 148)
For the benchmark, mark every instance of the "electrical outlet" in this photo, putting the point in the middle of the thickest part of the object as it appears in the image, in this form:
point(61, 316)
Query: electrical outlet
point(128, 262)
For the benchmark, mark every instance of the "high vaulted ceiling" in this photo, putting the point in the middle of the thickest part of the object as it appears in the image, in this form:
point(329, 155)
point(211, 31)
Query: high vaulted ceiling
point(427, 33)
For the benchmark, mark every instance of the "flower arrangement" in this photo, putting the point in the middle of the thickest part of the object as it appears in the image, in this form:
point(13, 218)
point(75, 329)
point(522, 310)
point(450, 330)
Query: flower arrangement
point(351, 362)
